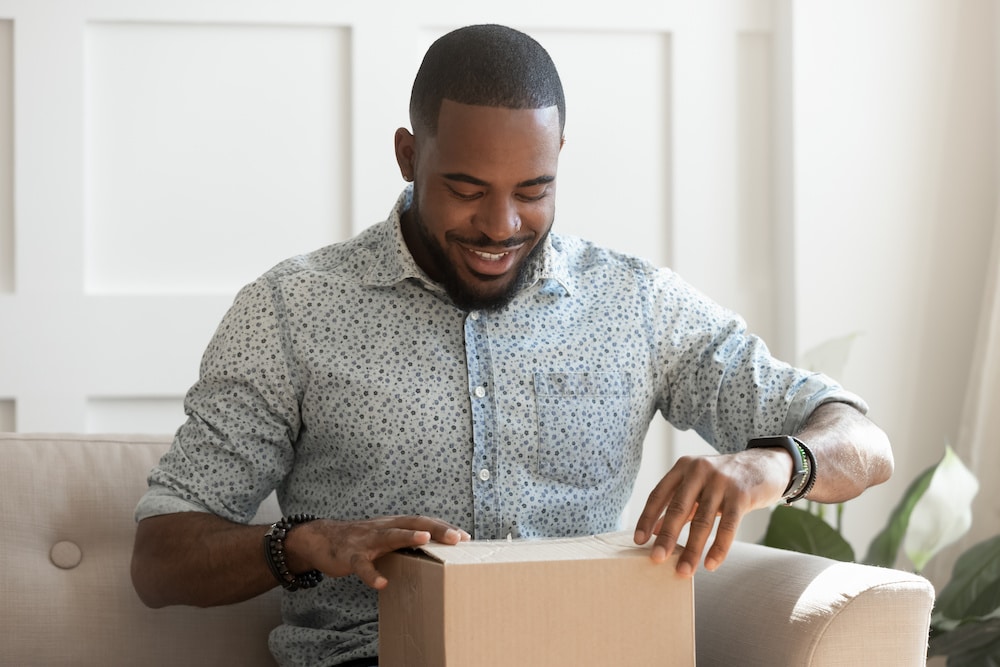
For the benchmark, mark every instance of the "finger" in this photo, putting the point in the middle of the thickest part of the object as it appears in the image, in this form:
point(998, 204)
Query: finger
point(451, 536)
point(392, 539)
point(725, 535)
point(366, 571)
point(386, 540)
point(702, 522)
point(440, 531)
point(659, 521)
point(445, 533)
point(651, 518)
point(658, 526)
point(674, 519)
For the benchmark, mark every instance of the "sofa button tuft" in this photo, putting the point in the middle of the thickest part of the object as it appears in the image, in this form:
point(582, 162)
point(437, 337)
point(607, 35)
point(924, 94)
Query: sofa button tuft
point(66, 555)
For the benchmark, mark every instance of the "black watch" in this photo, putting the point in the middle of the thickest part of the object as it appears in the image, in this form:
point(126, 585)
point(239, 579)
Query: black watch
point(803, 466)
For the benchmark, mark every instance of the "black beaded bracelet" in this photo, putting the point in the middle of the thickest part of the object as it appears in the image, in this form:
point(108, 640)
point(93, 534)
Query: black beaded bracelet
point(274, 554)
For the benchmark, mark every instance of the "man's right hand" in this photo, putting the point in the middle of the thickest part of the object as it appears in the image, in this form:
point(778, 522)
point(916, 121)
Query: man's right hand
point(200, 559)
point(342, 548)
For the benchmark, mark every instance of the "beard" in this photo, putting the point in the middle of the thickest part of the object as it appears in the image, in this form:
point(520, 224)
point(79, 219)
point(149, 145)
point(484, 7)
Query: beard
point(465, 294)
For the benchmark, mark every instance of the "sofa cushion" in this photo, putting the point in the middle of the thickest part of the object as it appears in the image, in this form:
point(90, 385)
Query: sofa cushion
point(66, 532)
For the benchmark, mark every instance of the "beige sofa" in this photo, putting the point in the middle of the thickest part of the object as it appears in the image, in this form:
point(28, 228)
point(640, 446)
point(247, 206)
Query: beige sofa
point(66, 534)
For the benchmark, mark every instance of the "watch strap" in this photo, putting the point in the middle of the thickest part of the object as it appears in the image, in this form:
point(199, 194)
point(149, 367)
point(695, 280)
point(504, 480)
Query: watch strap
point(803, 464)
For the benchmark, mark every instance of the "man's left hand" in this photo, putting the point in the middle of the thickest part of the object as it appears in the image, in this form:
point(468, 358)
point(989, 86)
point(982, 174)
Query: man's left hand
point(700, 489)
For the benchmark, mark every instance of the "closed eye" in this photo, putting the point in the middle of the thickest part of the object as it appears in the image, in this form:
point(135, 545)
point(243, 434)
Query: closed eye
point(464, 196)
point(530, 197)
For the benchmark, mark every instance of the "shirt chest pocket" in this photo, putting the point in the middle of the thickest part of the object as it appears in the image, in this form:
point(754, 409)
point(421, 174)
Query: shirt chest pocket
point(582, 426)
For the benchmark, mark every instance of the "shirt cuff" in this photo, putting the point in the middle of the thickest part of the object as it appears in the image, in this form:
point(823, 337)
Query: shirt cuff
point(160, 500)
point(813, 391)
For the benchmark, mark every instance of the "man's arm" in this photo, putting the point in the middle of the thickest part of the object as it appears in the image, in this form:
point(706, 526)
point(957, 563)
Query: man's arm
point(201, 559)
point(852, 454)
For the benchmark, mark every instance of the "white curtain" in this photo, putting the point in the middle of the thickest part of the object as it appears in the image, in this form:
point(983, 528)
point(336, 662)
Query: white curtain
point(979, 436)
point(978, 443)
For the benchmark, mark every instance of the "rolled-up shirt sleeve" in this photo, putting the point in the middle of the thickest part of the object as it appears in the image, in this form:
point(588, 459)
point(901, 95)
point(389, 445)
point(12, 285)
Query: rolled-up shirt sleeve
point(242, 419)
point(722, 381)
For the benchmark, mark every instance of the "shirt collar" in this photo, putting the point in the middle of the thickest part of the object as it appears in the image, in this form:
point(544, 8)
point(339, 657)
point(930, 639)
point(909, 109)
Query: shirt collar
point(394, 263)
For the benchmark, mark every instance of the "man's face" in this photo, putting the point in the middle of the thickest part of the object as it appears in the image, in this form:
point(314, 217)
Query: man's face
point(483, 198)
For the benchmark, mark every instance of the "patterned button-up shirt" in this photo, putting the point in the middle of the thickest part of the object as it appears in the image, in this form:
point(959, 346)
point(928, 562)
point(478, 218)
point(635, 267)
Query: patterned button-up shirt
point(348, 381)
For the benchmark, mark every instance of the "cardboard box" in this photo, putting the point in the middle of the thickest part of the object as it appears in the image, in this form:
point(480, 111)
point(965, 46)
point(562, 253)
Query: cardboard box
point(591, 601)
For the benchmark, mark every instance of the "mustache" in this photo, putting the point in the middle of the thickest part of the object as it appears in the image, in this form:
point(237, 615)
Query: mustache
point(486, 243)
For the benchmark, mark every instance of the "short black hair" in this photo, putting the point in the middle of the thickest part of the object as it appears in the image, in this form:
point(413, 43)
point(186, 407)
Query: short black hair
point(485, 65)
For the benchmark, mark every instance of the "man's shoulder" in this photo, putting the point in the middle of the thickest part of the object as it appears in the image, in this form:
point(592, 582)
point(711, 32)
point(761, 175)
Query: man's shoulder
point(343, 259)
point(580, 255)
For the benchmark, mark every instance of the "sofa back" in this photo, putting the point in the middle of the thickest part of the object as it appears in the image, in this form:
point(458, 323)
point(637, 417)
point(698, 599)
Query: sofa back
point(66, 532)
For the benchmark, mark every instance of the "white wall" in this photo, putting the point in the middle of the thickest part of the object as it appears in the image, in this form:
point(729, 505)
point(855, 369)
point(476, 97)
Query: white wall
point(823, 167)
point(895, 207)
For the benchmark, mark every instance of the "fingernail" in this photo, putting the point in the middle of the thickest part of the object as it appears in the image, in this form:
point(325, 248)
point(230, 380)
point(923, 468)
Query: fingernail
point(684, 569)
point(640, 537)
point(711, 564)
point(659, 554)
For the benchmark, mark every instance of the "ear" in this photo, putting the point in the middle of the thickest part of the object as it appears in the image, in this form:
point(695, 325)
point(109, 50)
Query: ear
point(405, 153)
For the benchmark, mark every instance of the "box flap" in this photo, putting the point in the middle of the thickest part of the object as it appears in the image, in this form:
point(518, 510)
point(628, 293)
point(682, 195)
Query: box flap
point(587, 547)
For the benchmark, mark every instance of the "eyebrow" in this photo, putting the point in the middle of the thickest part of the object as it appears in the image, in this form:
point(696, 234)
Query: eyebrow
point(472, 180)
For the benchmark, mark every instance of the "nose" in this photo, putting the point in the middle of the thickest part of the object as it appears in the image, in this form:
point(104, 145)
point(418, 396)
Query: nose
point(498, 218)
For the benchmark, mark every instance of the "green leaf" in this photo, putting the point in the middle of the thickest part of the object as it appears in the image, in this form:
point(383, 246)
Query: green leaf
point(975, 644)
point(797, 530)
point(884, 549)
point(974, 588)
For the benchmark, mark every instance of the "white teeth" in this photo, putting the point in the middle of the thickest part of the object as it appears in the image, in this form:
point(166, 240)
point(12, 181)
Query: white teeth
point(490, 257)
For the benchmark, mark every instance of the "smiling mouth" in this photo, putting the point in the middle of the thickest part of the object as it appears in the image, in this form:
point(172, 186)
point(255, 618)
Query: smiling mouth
point(489, 256)
point(487, 265)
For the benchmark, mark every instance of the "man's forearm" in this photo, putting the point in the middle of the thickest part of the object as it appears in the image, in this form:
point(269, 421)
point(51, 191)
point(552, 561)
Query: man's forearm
point(852, 453)
point(198, 559)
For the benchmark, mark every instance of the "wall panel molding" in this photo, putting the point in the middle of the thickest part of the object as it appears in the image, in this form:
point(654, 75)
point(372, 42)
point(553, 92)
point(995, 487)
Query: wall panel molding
point(211, 150)
point(7, 252)
point(7, 421)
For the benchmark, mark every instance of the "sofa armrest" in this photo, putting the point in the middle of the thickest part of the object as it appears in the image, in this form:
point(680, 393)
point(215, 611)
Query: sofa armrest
point(767, 606)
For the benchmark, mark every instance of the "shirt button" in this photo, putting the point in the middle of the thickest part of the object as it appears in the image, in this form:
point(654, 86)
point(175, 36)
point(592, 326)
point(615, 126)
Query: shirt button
point(484, 474)
point(474, 314)
point(479, 392)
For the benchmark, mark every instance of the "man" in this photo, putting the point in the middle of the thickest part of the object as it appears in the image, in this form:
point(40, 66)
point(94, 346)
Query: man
point(459, 372)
